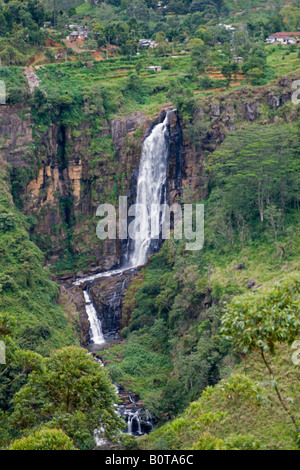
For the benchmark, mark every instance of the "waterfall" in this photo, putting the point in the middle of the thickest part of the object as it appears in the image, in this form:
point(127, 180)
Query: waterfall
point(131, 418)
point(150, 190)
point(151, 193)
point(138, 420)
point(96, 335)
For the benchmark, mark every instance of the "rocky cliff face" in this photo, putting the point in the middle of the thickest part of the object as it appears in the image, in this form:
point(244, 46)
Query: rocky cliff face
point(215, 117)
point(68, 186)
point(67, 181)
point(16, 135)
point(107, 294)
point(107, 297)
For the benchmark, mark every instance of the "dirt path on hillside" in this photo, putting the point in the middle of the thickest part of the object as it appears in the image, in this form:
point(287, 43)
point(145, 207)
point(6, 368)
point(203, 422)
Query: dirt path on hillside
point(32, 78)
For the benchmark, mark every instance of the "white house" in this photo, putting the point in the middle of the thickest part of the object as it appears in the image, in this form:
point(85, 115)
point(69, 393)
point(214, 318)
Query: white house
point(156, 68)
point(148, 43)
point(284, 38)
point(229, 27)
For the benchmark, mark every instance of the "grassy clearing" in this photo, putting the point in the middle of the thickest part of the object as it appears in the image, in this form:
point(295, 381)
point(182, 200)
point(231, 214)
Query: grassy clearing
point(282, 59)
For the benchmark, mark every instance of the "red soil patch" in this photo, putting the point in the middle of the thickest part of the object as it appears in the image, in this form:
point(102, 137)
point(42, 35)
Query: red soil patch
point(214, 72)
point(51, 43)
point(74, 45)
point(34, 60)
point(98, 56)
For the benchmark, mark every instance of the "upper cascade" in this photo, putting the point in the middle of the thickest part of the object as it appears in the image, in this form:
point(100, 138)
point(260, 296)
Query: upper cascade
point(151, 191)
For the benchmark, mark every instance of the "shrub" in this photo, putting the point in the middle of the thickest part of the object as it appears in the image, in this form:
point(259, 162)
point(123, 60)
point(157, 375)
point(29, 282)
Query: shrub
point(7, 222)
point(44, 439)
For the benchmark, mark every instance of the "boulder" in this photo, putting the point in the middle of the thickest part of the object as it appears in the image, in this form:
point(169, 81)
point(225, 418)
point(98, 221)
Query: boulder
point(239, 266)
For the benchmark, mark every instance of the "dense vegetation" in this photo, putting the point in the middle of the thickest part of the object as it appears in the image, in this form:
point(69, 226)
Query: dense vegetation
point(65, 398)
point(179, 300)
point(27, 294)
point(247, 410)
point(206, 335)
point(172, 327)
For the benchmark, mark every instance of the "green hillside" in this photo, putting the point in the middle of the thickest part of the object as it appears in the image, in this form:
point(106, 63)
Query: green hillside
point(208, 339)
point(27, 293)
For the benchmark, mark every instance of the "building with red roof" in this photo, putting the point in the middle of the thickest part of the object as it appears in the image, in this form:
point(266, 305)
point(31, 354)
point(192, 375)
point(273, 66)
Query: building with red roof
point(284, 38)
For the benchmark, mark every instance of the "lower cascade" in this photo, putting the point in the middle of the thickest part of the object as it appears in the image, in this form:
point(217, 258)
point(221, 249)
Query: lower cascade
point(151, 192)
point(96, 335)
point(138, 420)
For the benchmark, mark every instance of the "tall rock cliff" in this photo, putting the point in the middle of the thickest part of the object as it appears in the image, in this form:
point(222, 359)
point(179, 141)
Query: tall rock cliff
point(61, 174)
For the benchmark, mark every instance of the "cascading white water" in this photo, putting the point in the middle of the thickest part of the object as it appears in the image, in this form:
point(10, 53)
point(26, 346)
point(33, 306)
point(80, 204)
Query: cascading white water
point(134, 417)
point(96, 335)
point(150, 193)
point(150, 185)
point(138, 420)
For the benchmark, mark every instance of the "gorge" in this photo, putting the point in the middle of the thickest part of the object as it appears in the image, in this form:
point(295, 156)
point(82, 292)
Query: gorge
point(166, 303)
point(151, 190)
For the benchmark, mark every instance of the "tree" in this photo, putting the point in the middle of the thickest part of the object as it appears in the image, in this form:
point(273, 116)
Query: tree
point(92, 44)
point(196, 132)
point(275, 218)
point(211, 35)
point(9, 55)
point(255, 63)
point(71, 12)
point(139, 67)
point(135, 88)
point(138, 9)
point(255, 75)
point(18, 362)
point(257, 167)
point(227, 72)
point(49, 54)
point(61, 21)
point(258, 322)
point(73, 393)
point(162, 43)
point(290, 17)
point(199, 54)
point(184, 101)
point(239, 40)
point(44, 439)
point(129, 48)
point(99, 35)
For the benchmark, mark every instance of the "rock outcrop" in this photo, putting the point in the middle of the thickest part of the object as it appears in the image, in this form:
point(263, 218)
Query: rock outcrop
point(16, 138)
point(107, 297)
point(217, 116)
point(72, 300)
point(67, 183)
point(67, 188)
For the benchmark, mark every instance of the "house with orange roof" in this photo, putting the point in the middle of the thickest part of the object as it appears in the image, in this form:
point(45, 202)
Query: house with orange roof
point(284, 38)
